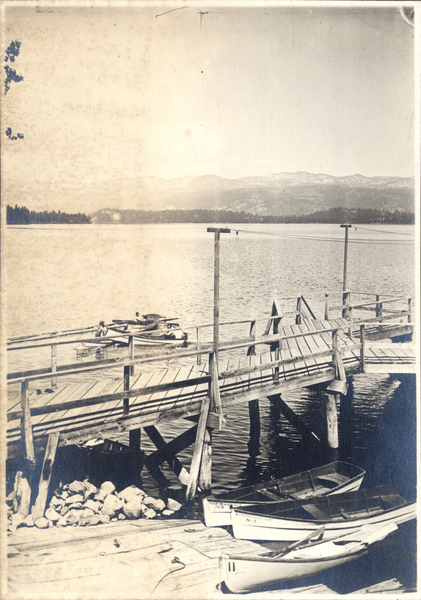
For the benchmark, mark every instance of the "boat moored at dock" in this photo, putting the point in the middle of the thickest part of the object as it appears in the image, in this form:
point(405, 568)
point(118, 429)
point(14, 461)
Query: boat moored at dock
point(292, 520)
point(249, 572)
point(332, 478)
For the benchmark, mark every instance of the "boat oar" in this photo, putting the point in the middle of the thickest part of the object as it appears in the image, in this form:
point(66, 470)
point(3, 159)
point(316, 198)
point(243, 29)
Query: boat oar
point(314, 534)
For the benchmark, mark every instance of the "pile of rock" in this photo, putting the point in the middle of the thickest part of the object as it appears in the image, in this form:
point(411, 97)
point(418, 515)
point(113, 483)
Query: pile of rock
point(81, 503)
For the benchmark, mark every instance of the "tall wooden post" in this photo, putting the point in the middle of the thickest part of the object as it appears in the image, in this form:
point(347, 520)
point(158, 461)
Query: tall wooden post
point(326, 307)
point(298, 318)
point(345, 256)
point(217, 232)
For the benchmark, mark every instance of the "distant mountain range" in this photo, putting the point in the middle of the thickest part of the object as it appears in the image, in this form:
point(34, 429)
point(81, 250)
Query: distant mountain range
point(280, 194)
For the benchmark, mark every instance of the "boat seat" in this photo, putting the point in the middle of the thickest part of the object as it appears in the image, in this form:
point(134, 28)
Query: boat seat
point(332, 477)
point(316, 512)
point(269, 494)
point(394, 499)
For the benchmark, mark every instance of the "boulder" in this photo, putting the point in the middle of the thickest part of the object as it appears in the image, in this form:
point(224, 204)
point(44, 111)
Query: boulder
point(149, 513)
point(105, 490)
point(111, 505)
point(167, 513)
point(121, 517)
point(77, 487)
point(89, 519)
point(56, 503)
point(72, 517)
point(93, 505)
point(76, 505)
point(64, 510)
point(42, 523)
point(87, 512)
point(74, 498)
point(29, 521)
point(52, 515)
point(90, 490)
point(131, 492)
point(104, 518)
point(133, 508)
point(173, 505)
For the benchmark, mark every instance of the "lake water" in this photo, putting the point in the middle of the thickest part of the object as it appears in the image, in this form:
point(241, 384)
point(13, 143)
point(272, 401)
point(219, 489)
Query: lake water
point(64, 277)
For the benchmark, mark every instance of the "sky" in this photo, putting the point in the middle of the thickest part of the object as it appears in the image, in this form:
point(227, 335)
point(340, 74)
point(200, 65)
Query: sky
point(165, 90)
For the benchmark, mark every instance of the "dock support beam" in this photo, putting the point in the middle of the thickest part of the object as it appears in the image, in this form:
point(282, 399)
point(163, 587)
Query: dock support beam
point(44, 482)
point(332, 420)
point(254, 442)
point(198, 448)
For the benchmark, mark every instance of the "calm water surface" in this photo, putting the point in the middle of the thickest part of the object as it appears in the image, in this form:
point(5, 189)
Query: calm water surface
point(63, 277)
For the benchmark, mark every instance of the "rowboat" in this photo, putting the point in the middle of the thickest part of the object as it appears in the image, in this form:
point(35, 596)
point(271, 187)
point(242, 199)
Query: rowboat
point(249, 572)
point(332, 478)
point(291, 520)
point(152, 330)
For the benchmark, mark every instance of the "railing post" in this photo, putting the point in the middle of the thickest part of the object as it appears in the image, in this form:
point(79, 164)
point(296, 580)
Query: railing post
point(379, 307)
point(126, 387)
point(362, 351)
point(326, 307)
point(409, 310)
point(131, 353)
point(198, 337)
point(53, 366)
point(298, 318)
point(345, 304)
point(252, 349)
point(26, 425)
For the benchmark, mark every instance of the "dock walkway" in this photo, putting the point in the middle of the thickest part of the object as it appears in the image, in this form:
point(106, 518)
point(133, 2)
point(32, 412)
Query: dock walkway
point(98, 408)
point(124, 560)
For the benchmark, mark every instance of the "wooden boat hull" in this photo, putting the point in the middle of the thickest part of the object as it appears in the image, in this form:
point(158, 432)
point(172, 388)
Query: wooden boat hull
point(332, 478)
point(341, 513)
point(247, 573)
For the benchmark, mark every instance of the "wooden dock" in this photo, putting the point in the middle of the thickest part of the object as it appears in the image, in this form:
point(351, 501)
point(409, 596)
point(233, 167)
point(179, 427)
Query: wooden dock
point(139, 395)
point(123, 560)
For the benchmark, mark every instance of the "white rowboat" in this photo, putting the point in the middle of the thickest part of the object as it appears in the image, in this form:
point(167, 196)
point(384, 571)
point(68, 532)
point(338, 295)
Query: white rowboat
point(244, 573)
point(332, 478)
point(340, 513)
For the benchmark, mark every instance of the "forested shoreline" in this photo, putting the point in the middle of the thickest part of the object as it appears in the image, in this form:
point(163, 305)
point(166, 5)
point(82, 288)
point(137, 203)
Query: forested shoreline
point(20, 215)
point(24, 216)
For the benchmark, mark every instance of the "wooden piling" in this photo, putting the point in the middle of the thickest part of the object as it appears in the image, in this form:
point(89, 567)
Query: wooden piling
point(44, 482)
point(332, 420)
point(252, 349)
point(26, 426)
point(326, 307)
point(205, 473)
point(254, 414)
point(197, 452)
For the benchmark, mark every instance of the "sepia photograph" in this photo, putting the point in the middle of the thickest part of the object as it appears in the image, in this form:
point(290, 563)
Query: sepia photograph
point(210, 281)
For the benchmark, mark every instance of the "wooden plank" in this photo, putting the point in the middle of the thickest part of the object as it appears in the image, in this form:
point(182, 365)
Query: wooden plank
point(168, 453)
point(26, 427)
point(197, 453)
